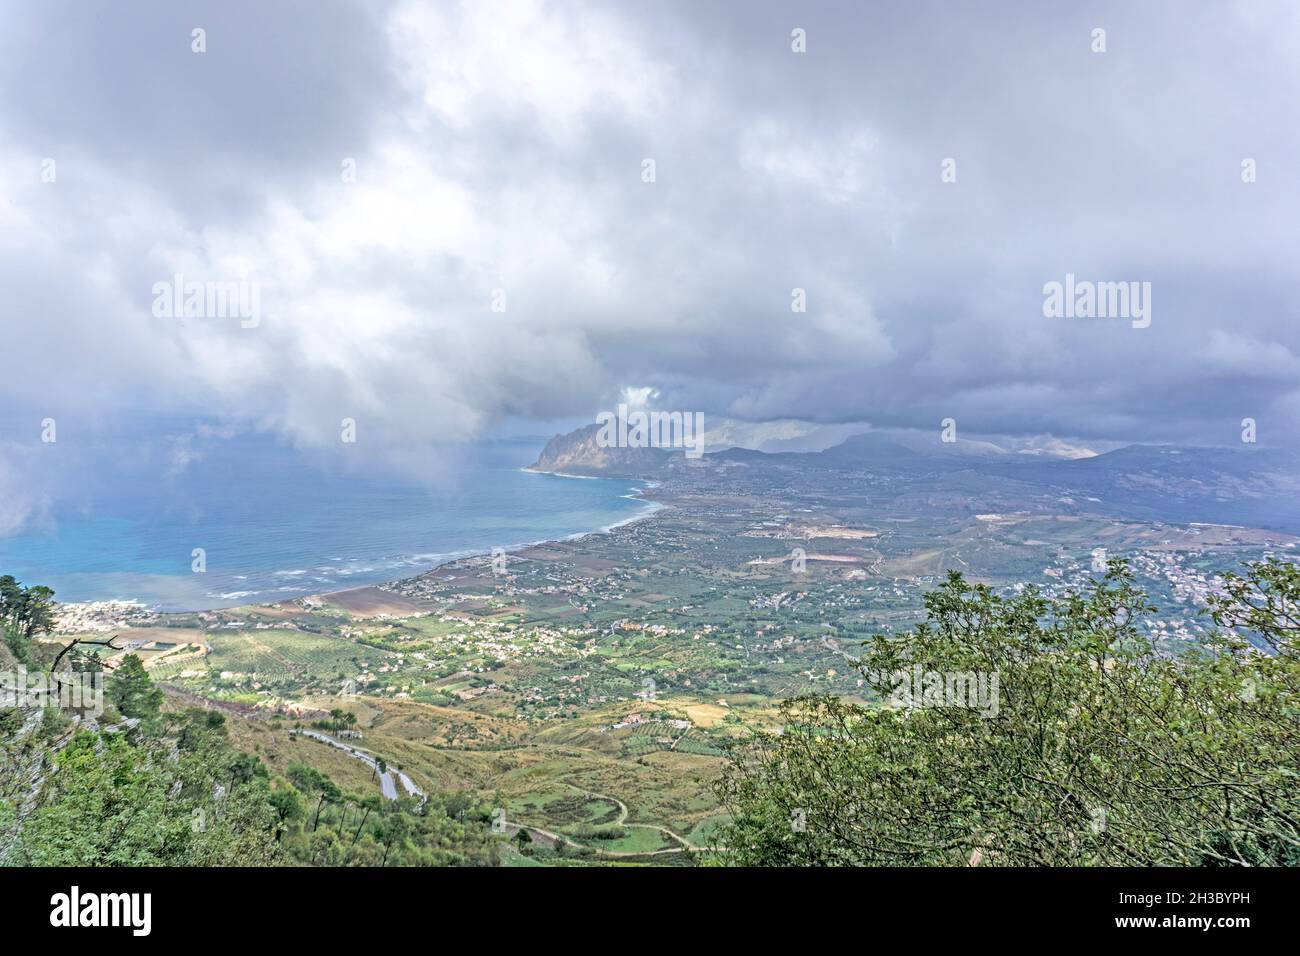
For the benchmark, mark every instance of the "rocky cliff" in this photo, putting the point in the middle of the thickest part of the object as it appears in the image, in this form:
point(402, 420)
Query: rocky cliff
point(579, 453)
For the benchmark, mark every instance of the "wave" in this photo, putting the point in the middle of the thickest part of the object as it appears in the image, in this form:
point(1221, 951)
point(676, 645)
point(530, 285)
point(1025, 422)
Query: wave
point(284, 551)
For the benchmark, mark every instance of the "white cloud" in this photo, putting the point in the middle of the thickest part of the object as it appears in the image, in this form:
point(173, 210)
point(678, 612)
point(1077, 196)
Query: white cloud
point(498, 146)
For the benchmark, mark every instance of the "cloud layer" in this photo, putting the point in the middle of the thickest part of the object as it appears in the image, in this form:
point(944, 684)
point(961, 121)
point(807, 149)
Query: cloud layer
point(499, 156)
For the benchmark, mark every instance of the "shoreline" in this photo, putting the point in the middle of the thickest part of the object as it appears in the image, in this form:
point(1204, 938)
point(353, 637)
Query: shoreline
point(92, 615)
point(651, 508)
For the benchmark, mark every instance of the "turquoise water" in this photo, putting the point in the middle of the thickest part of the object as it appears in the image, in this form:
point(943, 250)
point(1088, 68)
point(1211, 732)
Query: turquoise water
point(274, 528)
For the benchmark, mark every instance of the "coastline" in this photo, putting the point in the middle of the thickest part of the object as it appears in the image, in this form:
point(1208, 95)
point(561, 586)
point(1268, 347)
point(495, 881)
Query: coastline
point(651, 508)
point(106, 615)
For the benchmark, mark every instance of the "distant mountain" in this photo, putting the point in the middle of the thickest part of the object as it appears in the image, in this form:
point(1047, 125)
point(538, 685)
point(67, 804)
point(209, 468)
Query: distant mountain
point(1238, 485)
point(726, 439)
point(579, 453)
point(1245, 485)
point(911, 449)
point(782, 435)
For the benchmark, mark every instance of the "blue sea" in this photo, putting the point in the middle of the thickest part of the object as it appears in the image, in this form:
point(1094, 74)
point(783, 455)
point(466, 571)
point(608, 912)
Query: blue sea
point(275, 525)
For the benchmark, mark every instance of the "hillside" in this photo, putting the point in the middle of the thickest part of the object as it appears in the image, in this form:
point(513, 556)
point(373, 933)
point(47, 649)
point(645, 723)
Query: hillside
point(1243, 485)
point(579, 453)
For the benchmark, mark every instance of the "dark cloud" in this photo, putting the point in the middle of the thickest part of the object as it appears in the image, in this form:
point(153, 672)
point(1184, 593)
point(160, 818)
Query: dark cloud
point(501, 146)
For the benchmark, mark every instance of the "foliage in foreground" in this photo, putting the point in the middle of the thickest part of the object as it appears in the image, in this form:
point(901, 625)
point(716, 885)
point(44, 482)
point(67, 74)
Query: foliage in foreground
point(334, 828)
point(182, 797)
point(1101, 752)
point(151, 788)
point(24, 613)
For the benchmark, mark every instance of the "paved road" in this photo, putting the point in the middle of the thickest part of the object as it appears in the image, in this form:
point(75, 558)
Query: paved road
point(388, 780)
point(388, 785)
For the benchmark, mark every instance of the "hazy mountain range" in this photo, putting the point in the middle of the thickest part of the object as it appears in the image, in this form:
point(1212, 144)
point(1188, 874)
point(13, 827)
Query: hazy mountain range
point(1246, 484)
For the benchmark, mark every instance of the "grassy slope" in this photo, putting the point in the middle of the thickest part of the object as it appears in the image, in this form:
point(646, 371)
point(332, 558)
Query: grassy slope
point(558, 784)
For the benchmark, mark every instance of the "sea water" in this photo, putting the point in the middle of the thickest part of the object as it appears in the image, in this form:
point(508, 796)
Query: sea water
point(272, 525)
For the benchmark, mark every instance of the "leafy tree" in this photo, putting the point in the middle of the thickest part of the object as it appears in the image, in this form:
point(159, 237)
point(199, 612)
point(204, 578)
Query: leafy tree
point(369, 805)
point(11, 600)
point(329, 793)
point(1100, 751)
point(1265, 603)
point(11, 593)
point(132, 690)
point(17, 644)
point(314, 783)
point(36, 612)
point(172, 791)
point(131, 800)
point(287, 806)
point(24, 613)
point(392, 830)
point(243, 768)
point(305, 777)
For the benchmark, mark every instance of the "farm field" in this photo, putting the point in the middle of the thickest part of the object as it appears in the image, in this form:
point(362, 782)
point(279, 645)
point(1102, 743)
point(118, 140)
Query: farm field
point(594, 690)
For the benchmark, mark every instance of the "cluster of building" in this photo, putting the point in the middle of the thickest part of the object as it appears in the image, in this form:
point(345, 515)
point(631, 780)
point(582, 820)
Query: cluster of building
point(97, 617)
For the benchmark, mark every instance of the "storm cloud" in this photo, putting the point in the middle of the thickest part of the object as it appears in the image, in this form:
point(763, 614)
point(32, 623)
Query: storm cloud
point(499, 152)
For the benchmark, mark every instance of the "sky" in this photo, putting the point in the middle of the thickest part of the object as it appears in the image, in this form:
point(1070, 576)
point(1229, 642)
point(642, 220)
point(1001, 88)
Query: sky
point(445, 211)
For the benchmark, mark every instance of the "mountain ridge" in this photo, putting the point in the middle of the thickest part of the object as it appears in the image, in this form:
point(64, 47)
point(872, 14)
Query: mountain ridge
point(1246, 485)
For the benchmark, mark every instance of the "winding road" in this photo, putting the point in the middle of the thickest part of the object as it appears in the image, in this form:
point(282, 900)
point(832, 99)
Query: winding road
point(387, 779)
point(388, 785)
point(685, 847)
